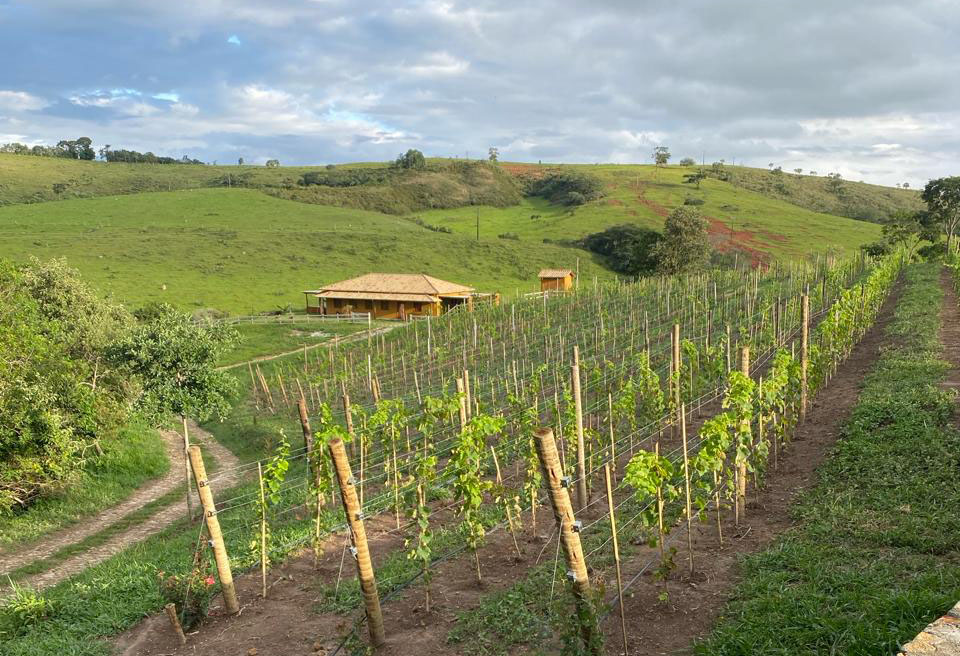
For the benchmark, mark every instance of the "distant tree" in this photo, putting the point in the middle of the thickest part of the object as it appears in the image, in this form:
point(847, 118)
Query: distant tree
point(412, 159)
point(493, 153)
point(661, 155)
point(942, 197)
point(695, 178)
point(103, 152)
point(770, 165)
point(798, 171)
point(685, 244)
point(777, 171)
point(687, 161)
point(80, 148)
point(272, 163)
point(813, 172)
point(906, 185)
point(835, 183)
point(240, 161)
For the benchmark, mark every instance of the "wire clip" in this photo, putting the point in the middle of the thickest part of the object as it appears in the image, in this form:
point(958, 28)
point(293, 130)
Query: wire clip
point(353, 552)
point(565, 481)
point(360, 516)
point(577, 526)
point(571, 575)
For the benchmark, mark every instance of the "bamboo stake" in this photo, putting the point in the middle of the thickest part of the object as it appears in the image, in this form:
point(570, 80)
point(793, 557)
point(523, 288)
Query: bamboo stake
point(171, 611)
point(263, 534)
point(616, 554)
point(686, 480)
point(582, 498)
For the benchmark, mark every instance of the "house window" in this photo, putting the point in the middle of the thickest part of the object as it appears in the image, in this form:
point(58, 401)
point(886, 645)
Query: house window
point(336, 303)
point(418, 307)
point(384, 305)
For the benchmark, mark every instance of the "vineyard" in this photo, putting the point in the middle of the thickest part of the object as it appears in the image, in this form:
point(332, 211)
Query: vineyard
point(614, 420)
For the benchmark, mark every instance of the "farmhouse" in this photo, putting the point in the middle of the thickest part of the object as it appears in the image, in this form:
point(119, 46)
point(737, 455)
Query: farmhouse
point(390, 296)
point(556, 280)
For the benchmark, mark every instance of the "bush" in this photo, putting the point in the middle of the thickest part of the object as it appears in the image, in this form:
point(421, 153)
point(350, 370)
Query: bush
point(687, 161)
point(691, 200)
point(509, 235)
point(933, 252)
point(627, 248)
point(566, 187)
point(412, 159)
point(191, 593)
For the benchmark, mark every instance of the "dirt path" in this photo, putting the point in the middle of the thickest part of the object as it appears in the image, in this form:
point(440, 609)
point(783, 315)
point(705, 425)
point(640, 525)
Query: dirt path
point(950, 330)
point(172, 480)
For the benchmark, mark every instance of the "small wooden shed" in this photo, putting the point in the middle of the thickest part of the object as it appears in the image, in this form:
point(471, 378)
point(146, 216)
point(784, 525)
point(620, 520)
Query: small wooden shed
point(552, 280)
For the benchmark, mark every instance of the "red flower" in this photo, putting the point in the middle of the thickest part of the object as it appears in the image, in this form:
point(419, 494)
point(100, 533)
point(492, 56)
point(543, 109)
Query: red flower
point(208, 580)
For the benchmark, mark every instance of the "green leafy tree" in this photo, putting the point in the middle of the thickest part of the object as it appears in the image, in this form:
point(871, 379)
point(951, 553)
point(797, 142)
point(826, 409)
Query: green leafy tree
point(412, 159)
point(493, 153)
point(685, 245)
point(695, 178)
point(175, 360)
point(942, 197)
point(661, 155)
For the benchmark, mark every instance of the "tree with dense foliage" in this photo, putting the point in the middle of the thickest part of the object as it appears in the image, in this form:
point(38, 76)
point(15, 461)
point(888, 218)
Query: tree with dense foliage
point(58, 396)
point(176, 360)
point(687, 161)
point(685, 244)
point(493, 153)
point(412, 159)
point(567, 187)
point(627, 248)
point(272, 163)
point(80, 148)
point(661, 155)
point(942, 197)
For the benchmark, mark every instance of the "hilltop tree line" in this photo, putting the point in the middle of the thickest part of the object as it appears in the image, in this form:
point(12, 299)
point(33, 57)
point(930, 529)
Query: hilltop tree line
point(75, 367)
point(81, 148)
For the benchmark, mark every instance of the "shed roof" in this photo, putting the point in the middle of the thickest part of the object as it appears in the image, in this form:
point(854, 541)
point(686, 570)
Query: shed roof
point(398, 283)
point(379, 296)
point(555, 273)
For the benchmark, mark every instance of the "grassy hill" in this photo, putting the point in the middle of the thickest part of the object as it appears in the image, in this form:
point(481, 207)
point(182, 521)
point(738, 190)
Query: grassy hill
point(740, 219)
point(371, 186)
point(205, 236)
point(242, 251)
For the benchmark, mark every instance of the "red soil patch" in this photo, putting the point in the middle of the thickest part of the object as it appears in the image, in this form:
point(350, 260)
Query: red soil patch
point(725, 239)
point(659, 209)
point(614, 201)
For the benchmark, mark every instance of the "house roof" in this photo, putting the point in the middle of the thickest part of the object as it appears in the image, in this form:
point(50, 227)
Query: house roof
point(398, 283)
point(378, 296)
point(555, 273)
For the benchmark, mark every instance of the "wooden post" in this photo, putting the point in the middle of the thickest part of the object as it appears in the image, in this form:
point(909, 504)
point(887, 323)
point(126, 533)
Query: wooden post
point(578, 408)
point(613, 442)
point(569, 530)
point(686, 480)
point(463, 404)
point(616, 555)
point(358, 535)
point(263, 534)
point(213, 530)
point(741, 501)
point(307, 438)
point(804, 354)
point(675, 377)
point(466, 391)
point(171, 610)
point(186, 466)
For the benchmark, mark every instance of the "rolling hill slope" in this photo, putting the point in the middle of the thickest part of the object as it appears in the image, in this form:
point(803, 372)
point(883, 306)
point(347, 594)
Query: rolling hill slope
point(242, 251)
point(740, 219)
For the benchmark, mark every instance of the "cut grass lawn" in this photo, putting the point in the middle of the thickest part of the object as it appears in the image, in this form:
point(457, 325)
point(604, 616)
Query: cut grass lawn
point(131, 457)
point(874, 556)
point(244, 252)
point(271, 338)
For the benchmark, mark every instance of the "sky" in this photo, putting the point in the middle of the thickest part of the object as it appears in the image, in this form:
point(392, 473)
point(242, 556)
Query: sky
point(866, 88)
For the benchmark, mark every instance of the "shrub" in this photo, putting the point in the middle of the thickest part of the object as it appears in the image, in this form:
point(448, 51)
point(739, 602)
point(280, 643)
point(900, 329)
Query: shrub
point(412, 159)
point(627, 248)
point(509, 235)
point(566, 187)
point(190, 593)
point(691, 200)
point(687, 161)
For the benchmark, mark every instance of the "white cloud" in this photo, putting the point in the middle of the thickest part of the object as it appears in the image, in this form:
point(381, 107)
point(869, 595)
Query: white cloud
point(438, 64)
point(21, 101)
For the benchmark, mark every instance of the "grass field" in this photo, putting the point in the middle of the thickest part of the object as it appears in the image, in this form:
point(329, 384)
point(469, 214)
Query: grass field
point(747, 220)
point(260, 339)
point(242, 251)
point(874, 558)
